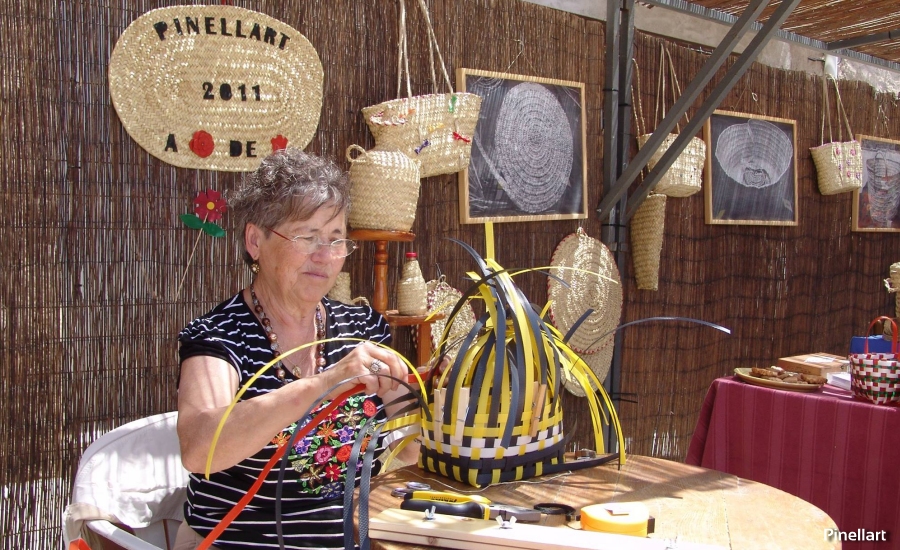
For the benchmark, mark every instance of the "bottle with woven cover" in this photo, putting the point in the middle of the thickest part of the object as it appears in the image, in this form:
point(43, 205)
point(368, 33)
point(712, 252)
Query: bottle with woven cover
point(411, 291)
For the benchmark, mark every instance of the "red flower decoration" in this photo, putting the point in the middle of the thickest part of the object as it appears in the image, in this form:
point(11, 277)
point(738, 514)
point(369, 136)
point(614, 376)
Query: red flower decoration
point(343, 454)
point(202, 144)
point(369, 408)
point(209, 205)
point(333, 472)
point(279, 142)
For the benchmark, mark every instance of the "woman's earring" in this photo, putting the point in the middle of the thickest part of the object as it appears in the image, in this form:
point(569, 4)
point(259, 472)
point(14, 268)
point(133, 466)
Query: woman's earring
point(254, 267)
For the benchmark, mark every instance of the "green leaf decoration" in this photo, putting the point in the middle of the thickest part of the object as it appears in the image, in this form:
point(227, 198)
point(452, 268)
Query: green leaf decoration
point(213, 230)
point(192, 221)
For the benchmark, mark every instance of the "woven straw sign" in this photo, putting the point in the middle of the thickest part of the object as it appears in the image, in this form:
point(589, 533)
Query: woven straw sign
point(215, 87)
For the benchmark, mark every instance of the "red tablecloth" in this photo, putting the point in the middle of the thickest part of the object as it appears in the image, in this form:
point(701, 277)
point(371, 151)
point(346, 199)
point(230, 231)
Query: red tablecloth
point(840, 454)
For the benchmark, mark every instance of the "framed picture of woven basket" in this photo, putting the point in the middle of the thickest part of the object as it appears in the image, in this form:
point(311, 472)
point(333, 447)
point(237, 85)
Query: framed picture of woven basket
point(529, 157)
point(751, 170)
point(875, 205)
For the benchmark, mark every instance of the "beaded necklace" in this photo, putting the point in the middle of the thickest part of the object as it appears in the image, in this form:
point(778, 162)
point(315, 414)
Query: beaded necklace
point(273, 340)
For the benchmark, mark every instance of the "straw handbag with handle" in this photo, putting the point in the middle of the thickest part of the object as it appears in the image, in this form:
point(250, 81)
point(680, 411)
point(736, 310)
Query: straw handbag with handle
point(384, 189)
point(838, 163)
point(435, 129)
point(685, 176)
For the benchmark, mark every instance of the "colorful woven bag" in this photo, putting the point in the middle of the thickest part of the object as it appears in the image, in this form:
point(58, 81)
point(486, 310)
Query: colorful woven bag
point(496, 412)
point(435, 129)
point(875, 377)
point(839, 165)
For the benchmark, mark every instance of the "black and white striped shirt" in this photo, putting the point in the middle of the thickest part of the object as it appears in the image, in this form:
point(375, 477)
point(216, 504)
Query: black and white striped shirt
point(312, 493)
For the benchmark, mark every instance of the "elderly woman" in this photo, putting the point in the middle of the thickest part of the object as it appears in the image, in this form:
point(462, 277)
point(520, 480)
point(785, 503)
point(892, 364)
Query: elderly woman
point(293, 215)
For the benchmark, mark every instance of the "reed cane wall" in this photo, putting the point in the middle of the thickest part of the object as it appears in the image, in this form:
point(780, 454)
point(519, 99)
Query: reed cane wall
point(101, 274)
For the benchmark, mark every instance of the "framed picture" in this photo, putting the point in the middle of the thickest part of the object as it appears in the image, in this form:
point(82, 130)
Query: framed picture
point(751, 170)
point(529, 158)
point(875, 204)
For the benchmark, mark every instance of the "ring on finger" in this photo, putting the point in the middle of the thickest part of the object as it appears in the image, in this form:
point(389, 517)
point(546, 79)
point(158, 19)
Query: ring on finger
point(376, 366)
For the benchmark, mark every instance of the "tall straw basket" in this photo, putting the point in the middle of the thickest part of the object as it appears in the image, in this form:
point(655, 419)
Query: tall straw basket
point(435, 129)
point(685, 175)
point(647, 228)
point(384, 189)
point(838, 163)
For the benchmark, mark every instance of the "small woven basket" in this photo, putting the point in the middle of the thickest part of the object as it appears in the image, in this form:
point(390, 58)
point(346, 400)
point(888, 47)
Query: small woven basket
point(384, 189)
point(435, 129)
point(685, 176)
point(647, 228)
point(839, 166)
point(875, 377)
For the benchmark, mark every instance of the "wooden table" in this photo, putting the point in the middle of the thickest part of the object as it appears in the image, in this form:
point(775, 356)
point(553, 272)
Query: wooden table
point(690, 504)
point(824, 447)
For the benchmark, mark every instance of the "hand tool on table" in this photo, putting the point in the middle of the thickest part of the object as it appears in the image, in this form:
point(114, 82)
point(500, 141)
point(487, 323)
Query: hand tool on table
point(469, 506)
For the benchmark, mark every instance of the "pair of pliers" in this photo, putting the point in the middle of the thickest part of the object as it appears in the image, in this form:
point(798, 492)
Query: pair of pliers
point(468, 506)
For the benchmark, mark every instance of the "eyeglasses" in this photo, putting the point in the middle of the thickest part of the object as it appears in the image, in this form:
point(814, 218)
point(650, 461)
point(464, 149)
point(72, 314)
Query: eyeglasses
point(308, 244)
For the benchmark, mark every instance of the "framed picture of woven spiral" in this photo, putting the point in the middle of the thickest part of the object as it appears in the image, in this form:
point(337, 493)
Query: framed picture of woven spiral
point(751, 170)
point(875, 205)
point(529, 158)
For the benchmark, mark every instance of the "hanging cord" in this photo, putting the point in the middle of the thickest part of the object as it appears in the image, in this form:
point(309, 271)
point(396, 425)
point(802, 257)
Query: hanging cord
point(403, 54)
point(826, 113)
point(841, 111)
point(665, 62)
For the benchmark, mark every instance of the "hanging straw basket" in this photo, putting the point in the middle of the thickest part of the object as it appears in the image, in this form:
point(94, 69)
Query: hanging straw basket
point(384, 189)
point(685, 176)
point(892, 284)
point(435, 129)
point(647, 227)
point(838, 163)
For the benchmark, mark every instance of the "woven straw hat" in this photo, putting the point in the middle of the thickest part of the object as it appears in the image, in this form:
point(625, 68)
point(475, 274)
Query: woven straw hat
point(594, 283)
point(215, 87)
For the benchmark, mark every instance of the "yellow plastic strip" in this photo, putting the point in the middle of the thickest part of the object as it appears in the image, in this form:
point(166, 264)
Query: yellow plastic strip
point(489, 240)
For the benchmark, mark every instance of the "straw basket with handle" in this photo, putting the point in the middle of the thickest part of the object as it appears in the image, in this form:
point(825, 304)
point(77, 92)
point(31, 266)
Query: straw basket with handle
point(384, 189)
point(435, 129)
point(838, 163)
point(685, 176)
point(875, 377)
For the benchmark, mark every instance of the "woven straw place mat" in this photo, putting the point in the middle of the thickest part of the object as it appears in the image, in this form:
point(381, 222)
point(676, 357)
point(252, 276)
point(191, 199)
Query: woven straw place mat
point(442, 298)
point(594, 283)
point(215, 87)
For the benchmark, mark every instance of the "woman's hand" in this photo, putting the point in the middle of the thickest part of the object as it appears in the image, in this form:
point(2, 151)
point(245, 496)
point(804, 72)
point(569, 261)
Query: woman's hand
point(367, 364)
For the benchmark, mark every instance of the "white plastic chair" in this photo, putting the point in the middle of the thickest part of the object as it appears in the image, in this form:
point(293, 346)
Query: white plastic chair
point(130, 488)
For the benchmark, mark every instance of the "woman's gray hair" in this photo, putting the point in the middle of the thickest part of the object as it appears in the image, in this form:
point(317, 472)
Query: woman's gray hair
point(289, 185)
